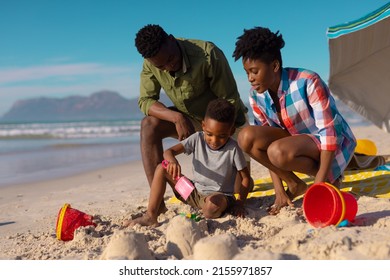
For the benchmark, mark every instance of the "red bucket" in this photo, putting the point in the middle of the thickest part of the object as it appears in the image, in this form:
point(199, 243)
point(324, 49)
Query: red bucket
point(324, 205)
point(69, 220)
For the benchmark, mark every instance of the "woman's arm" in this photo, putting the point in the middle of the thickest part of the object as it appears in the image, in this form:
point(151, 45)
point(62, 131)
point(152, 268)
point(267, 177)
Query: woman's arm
point(326, 158)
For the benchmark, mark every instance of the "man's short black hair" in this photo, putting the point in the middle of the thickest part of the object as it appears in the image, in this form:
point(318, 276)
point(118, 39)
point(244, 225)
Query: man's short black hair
point(259, 43)
point(149, 40)
point(221, 110)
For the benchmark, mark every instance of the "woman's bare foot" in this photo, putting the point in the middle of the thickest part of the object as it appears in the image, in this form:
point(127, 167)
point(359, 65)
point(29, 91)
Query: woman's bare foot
point(144, 220)
point(281, 200)
point(338, 182)
point(296, 190)
point(285, 199)
point(273, 210)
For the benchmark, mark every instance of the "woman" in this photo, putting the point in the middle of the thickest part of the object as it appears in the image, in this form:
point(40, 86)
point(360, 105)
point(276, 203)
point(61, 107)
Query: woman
point(298, 127)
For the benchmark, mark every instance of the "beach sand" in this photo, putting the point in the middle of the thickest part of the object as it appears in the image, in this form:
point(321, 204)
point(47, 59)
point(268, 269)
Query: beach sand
point(28, 215)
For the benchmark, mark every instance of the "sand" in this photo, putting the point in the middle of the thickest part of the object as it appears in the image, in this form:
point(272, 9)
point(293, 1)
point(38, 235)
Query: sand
point(28, 215)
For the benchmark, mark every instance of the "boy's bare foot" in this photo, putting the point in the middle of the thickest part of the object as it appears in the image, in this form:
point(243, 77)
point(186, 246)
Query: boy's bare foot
point(162, 209)
point(144, 220)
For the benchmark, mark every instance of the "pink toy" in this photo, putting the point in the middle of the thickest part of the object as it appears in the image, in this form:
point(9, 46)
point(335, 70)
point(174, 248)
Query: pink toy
point(183, 186)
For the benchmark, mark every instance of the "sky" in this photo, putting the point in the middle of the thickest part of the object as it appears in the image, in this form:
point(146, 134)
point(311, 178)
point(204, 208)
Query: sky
point(52, 48)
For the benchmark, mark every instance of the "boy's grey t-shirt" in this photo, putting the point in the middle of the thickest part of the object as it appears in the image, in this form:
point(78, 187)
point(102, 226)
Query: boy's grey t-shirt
point(214, 170)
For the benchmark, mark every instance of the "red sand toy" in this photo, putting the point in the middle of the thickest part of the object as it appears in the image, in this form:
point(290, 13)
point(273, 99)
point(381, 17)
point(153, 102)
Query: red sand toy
point(69, 220)
point(324, 205)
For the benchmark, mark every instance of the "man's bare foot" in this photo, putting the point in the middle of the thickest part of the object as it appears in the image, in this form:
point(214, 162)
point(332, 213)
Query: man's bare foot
point(144, 220)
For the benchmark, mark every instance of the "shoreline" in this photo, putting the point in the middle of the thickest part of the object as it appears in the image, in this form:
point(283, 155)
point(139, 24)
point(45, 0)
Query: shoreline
point(56, 161)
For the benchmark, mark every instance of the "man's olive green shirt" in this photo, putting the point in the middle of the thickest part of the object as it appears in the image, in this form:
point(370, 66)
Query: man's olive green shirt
point(205, 76)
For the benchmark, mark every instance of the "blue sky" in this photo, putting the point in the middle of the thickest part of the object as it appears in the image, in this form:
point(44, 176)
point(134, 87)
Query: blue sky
point(76, 47)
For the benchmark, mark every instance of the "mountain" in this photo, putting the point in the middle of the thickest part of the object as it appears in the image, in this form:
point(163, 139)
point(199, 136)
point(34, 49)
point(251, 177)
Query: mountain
point(102, 105)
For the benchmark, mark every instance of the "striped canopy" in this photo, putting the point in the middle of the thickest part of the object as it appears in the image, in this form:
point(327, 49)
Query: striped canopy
point(360, 65)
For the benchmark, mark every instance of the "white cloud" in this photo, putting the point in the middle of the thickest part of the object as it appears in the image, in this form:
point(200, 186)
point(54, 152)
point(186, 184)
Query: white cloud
point(26, 74)
point(62, 80)
point(66, 79)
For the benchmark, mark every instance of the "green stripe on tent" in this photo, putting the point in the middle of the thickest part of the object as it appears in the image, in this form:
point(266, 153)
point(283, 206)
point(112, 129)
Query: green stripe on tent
point(363, 22)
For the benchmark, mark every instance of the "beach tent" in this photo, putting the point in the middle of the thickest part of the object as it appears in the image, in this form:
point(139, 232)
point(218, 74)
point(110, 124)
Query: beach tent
point(360, 65)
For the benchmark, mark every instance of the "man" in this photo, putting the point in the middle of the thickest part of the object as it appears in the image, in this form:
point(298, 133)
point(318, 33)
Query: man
point(192, 73)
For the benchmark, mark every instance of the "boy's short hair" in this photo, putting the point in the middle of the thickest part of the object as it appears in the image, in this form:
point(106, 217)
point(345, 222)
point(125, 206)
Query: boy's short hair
point(221, 110)
point(149, 40)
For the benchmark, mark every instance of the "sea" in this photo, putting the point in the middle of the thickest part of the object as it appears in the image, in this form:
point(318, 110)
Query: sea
point(36, 151)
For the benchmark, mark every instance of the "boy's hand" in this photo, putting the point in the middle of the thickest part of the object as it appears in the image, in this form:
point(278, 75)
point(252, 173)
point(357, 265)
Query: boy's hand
point(238, 209)
point(174, 169)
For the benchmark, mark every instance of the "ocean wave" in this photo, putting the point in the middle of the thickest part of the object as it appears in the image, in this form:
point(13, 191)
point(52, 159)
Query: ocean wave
point(65, 130)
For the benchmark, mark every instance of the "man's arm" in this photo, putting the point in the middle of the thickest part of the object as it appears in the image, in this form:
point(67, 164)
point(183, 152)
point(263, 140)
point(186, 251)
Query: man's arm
point(222, 81)
point(149, 89)
point(148, 102)
point(184, 127)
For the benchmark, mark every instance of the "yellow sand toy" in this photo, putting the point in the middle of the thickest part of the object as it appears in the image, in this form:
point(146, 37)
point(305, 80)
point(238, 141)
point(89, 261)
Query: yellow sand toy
point(365, 147)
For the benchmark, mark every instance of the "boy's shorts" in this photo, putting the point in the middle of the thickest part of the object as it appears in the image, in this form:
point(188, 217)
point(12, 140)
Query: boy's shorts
point(197, 199)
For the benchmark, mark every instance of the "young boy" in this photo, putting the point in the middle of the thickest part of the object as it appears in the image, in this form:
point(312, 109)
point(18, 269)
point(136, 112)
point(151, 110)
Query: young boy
point(216, 160)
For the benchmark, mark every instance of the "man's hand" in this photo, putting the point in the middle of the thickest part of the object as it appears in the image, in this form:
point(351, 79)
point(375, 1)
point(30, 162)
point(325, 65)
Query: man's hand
point(184, 127)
